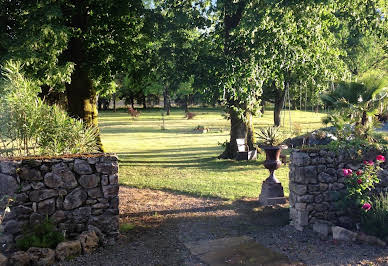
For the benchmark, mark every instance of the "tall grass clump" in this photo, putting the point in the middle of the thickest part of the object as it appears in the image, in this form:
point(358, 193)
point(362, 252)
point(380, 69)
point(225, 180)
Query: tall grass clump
point(29, 126)
point(375, 221)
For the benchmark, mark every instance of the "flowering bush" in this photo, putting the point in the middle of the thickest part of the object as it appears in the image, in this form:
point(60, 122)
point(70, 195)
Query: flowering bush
point(360, 182)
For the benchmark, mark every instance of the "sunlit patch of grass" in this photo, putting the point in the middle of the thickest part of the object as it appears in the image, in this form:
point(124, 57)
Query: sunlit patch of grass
point(178, 159)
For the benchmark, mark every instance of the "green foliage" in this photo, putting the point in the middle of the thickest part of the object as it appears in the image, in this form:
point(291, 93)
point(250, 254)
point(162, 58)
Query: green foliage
point(126, 227)
point(28, 126)
point(270, 136)
point(42, 34)
point(42, 235)
point(375, 221)
point(358, 107)
point(357, 147)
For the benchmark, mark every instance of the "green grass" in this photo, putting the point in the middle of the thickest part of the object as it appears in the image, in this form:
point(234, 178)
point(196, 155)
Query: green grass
point(179, 160)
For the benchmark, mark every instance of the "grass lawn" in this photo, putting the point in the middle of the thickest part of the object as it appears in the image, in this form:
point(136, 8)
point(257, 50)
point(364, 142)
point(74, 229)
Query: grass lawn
point(177, 159)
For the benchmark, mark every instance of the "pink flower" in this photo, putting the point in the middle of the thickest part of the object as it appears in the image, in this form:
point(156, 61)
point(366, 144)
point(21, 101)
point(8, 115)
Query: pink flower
point(380, 158)
point(368, 163)
point(347, 172)
point(359, 172)
point(359, 181)
point(366, 206)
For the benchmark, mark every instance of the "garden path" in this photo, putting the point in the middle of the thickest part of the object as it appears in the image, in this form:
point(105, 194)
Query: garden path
point(167, 222)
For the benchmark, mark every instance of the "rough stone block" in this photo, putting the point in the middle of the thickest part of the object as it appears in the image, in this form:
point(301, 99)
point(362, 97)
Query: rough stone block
point(81, 215)
point(110, 191)
point(313, 188)
point(305, 199)
point(113, 179)
point(20, 258)
point(8, 185)
point(319, 198)
point(302, 218)
point(340, 233)
point(37, 185)
point(298, 189)
point(41, 256)
point(325, 178)
point(300, 206)
point(104, 180)
point(3, 260)
point(8, 168)
point(95, 193)
point(38, 195)
point(89, 181)
point(46, 207)
point(322, 228)
point(30, 174)
point(82, 167)
point(75, 199)
point(108, 168)
point(89, 241)
point(53, 180)
point(68, 249)
point(12, 227)
point(58, 216)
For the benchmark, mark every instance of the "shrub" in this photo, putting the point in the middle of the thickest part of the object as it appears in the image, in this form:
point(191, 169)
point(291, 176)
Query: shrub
point(28, 126)
point(360, 182)
point(375, 220)
point(43, 235)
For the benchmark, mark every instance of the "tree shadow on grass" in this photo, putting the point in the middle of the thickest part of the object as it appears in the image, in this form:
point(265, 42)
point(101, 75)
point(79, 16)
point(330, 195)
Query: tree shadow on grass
point(209, 163)
point(184, 158)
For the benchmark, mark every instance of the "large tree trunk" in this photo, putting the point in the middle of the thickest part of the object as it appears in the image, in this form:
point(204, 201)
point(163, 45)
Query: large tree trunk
point(82, 100)
point(81, 95)
point(239, 129)
point(279, 102)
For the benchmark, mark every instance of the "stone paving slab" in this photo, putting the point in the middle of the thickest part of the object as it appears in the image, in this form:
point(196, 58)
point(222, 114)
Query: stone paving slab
point(235, 251)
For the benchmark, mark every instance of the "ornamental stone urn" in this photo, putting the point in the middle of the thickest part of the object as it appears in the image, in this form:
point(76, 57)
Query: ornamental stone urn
point(272, 190)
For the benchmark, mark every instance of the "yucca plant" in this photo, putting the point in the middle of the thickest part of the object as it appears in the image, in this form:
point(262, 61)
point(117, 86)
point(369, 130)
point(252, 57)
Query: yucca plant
point(269, 136)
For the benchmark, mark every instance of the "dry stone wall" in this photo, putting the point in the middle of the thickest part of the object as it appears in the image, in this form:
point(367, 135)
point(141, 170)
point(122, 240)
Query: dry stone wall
point(316, 182)
point(77, 194)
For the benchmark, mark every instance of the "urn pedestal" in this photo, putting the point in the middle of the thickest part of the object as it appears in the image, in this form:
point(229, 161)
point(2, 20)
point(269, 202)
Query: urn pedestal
point(272, 190)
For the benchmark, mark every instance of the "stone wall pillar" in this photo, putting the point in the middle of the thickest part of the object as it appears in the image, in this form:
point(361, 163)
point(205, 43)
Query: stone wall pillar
point(76, 193)
point(316, 183)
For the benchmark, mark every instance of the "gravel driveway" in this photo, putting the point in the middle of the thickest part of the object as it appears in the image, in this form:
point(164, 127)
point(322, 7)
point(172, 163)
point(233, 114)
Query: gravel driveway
point(165, 220)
